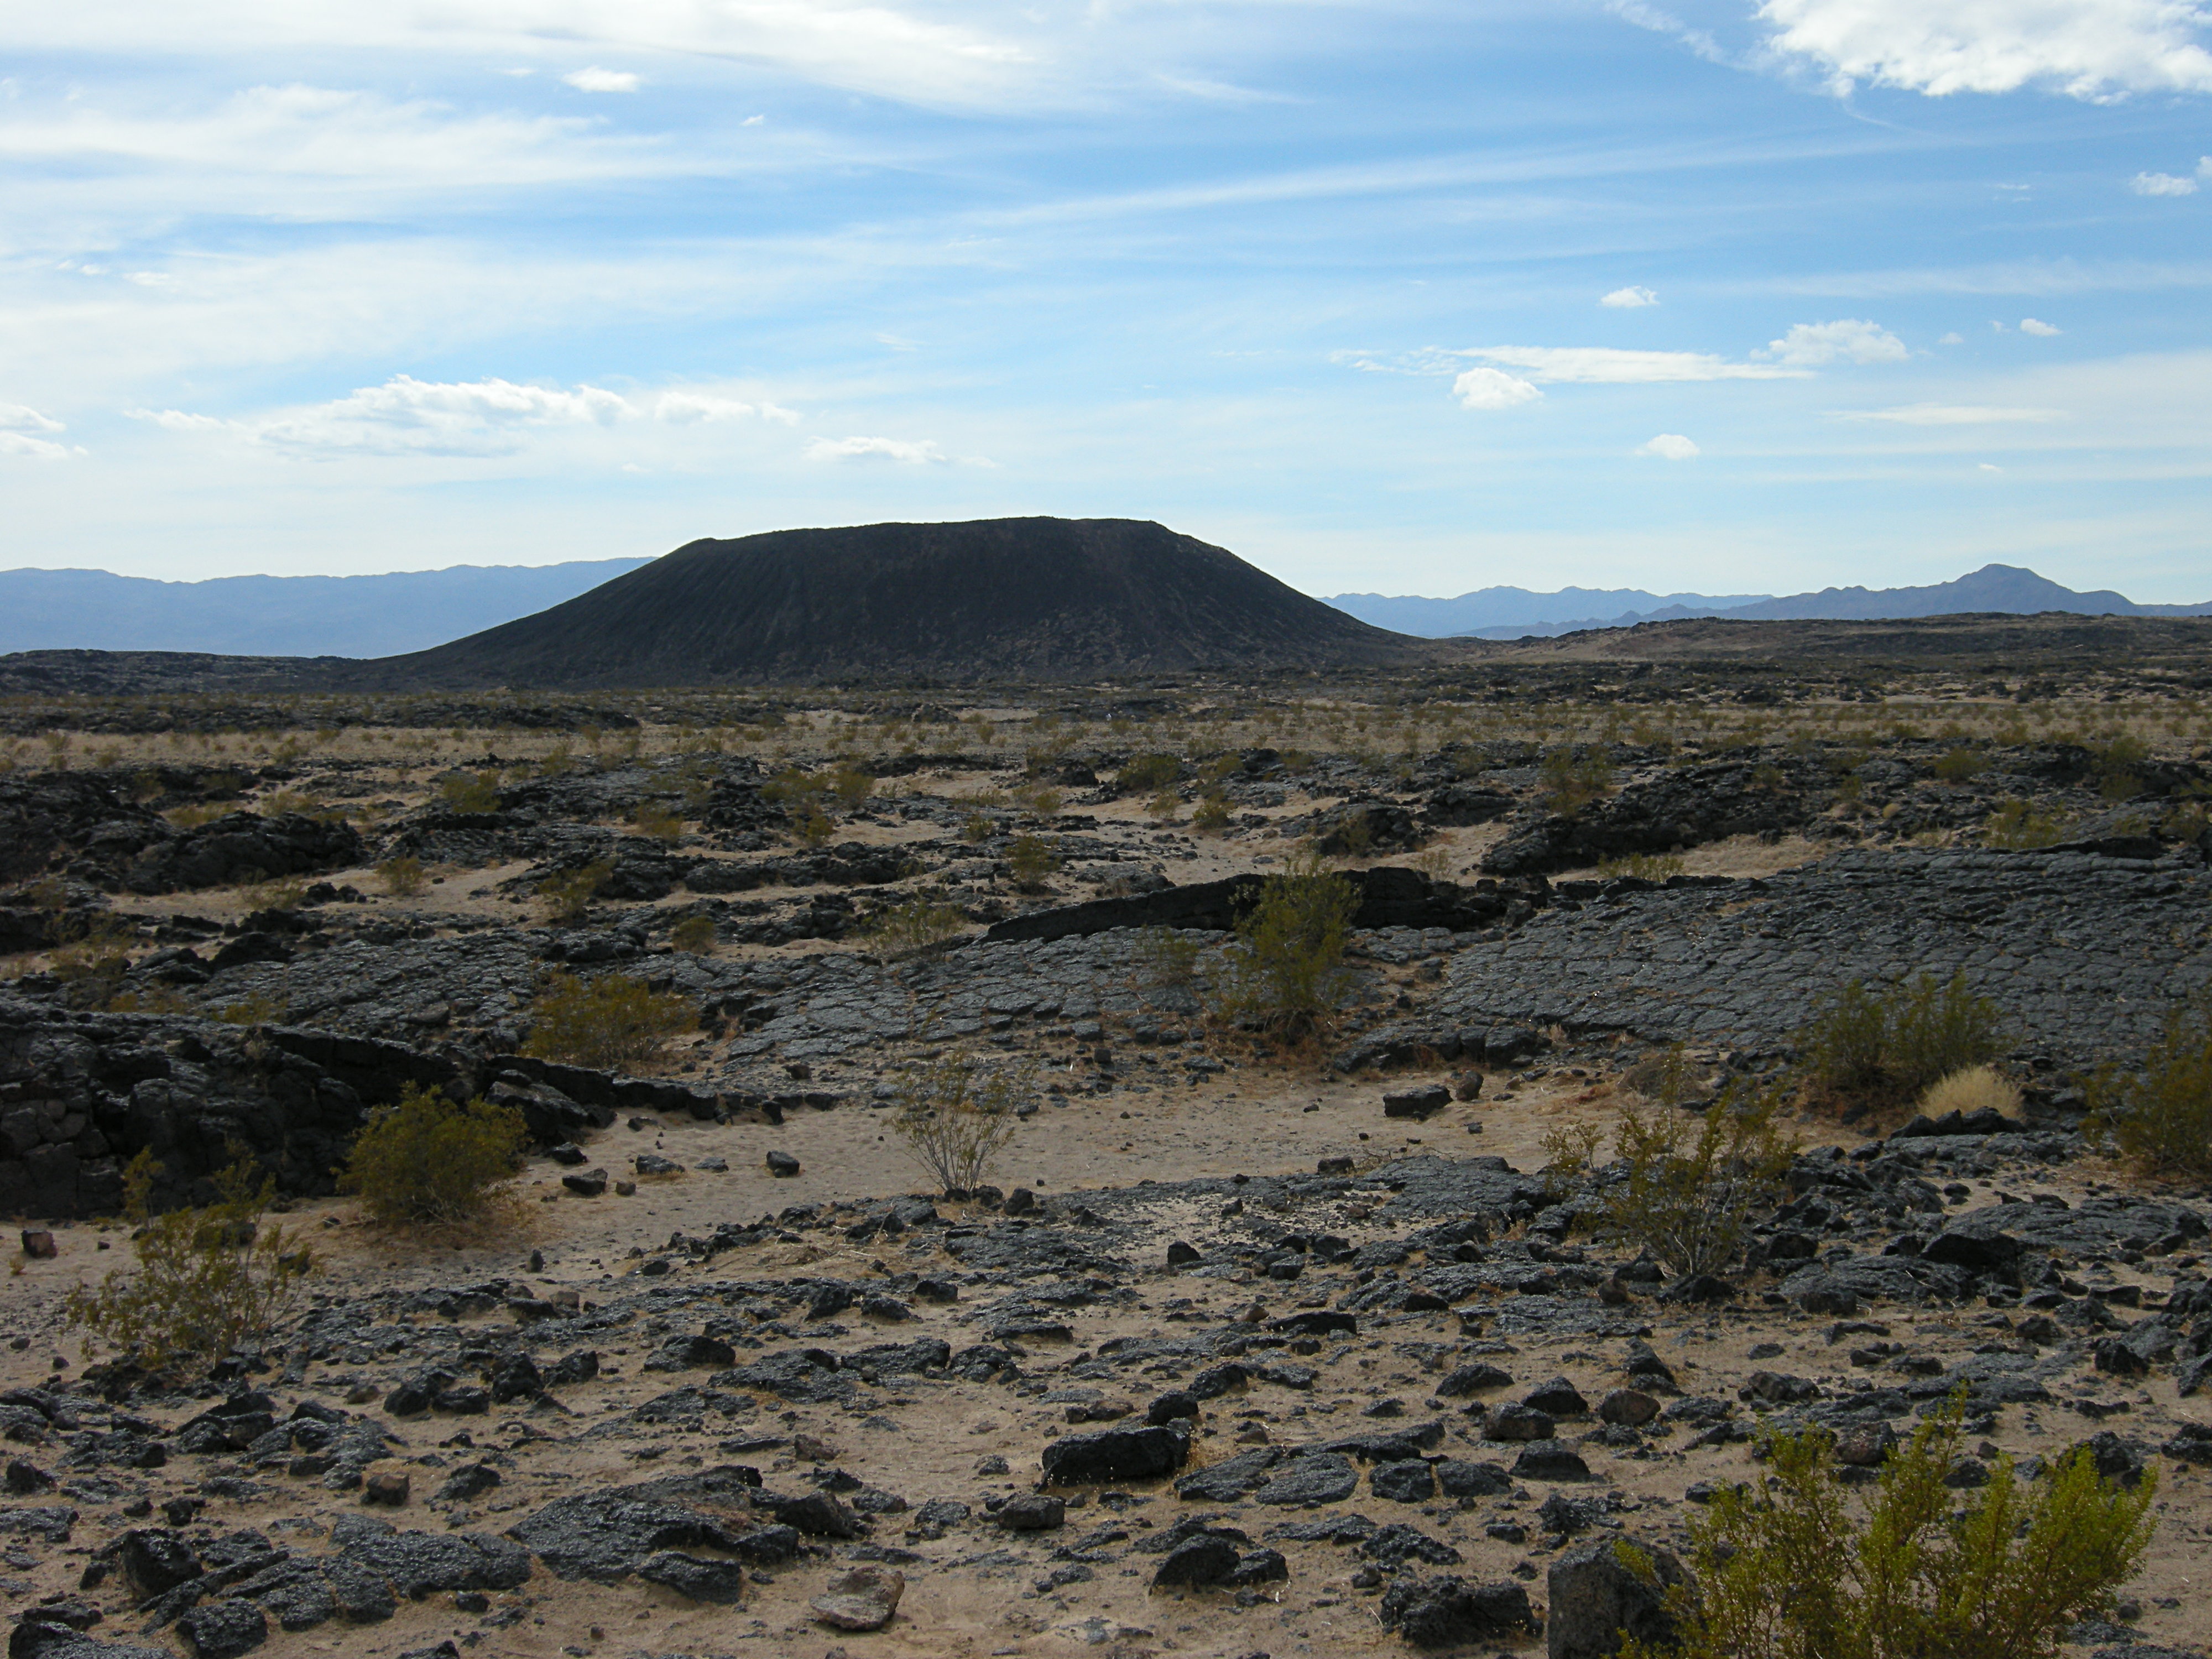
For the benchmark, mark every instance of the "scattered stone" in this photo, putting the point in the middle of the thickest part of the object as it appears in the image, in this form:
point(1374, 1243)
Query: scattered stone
point(863, 1599)
point(1595, 1597)
point(1437, 1613)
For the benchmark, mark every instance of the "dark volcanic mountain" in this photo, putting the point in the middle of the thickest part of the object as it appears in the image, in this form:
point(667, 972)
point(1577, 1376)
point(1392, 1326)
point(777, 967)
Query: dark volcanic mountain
point(998, 598)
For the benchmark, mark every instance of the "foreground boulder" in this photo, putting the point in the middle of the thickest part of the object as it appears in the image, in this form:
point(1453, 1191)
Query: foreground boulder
point(1594, 1596)
point(1440, 1613)
point(1114, 1455)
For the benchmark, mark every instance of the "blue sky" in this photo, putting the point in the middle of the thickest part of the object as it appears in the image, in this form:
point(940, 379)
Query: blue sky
point(1407, 297)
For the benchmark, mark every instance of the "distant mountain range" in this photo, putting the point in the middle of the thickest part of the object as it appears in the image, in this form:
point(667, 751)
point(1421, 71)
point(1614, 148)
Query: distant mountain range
point(283, 615)
point(1512, 613)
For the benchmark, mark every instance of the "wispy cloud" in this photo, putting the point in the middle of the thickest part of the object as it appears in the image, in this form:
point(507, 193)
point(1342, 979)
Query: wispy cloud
point(2162, 183)
point(1610, 365)
point(906, 450)
point(595, 79)
point(21, 428)
point(1630, 299)
point(1952, 415)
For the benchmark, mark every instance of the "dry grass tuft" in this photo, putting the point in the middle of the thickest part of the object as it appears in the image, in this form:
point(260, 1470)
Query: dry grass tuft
point(1974, 1088)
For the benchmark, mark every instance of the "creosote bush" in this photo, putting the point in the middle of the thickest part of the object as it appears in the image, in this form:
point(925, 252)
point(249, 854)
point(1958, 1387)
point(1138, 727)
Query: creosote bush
point(1697, 1182)
point(1572, 782)
point(956, 1118)
point(921, 921)
point(658, 823)
point(1030, 859)
point(1142, 774)
point(208, 1280)
point(2017, 826)
point(1875, 1048)
point(1786, 1569)
point(2160, 1116)
point(1284, 973)
point(609, 1022)
point(403, 876)
point(569, 894)
point(429, 1160)
point(468, 791)
point(694, 934)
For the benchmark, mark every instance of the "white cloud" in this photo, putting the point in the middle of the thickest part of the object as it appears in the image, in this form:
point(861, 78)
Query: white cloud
point(1848, 339)
point(2162, 183)
point(1670, 446)
point(1608, 366)
point(1492, 388)
point(2086, 48)
point(2040, 329)
point(694, 408)
point(883, 449)
point(20, 417)
point(1988, 466)
point(1951, 415)
point(1630, 299)
point(40, 449)
point(405, 415)
point(595, 79)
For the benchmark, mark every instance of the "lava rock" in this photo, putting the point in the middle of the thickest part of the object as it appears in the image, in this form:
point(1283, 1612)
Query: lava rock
point(1409, 1482)
point(224, 1629)
point(696, 1576)
point(1436, 1613)
point(864, 1599)
point(1595, 1597)
point(1114, 1455)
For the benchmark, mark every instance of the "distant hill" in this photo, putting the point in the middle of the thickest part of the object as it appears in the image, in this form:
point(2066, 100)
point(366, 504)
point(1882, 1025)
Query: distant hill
point(996, 598)
point(2000, 589)
point(280, 616)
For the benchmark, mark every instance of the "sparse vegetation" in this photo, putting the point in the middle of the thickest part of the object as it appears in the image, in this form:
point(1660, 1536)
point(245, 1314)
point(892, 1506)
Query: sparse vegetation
point(658, 823)
point(1170, 957)
point(1284, 973)
point(427, 1159)
point(1029, 859)
point(568, 894)
point(1572, 781)
point(1694, 1183)
point(1974, 1088)
point(956, 1117)
point(1147, 774)
point(1211, 814)
point(1959, 765)
point(2160, 1114)
point(1883, 1047)
point(694, 934)
point(1785, 1569)
point(2018, 825)
point(1645, 867)
point(921, 921)
point(403, 875)
point(468, 791)
point(611, 1022)
point(209, 1280)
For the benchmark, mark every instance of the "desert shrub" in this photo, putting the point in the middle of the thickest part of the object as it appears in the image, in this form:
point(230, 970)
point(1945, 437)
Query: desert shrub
point(1284, 972)
point(569, 893)
point(403, 875)
point(658, 823)
point(811, 825)
point(468, 791)
point(1169, 957)
point(1786, 1569)
point(2162, 1115)
point(2017, 825)
point(1768, 779)
point(956, 1117)
point(694, 934)
point(1211, 816)
point(1030, 860)
point(1569, 781)
point(1883, 1047)
point(1666, 1079)
point(1695, 1182)
point(1163, 807)
point(977, 828)
point(920, 922)
point(1044, 800)
point(194, 814)
point(429, 1160)
point(851, 785)
point(1143, 773)
point(1973, 1089)
point(609, 1022)
point(207, 1280)
point(2117, 761)
point(256, 1008)
point(1648, 866)
point(1957, 765)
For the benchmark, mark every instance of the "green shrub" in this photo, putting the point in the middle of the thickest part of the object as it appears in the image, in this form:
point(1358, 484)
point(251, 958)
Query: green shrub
point(1569, 781)
point(1284, 972)
point(2017, 825)
point(1170, 958)
point(956, 1118)
point(694, 934)
point(468, 791)
point(2116, 762)
point(569, 893)
point(920, 922)
point(1885, 1048)
point(1648, 866)
point(851, 785)
point(428, 1159)
point(1143, 773)
point(2162, 1115)
point(1695, 1183)
point(1962, 763)
point(1785, 1569)
point(1213, 816)
point(607, 1022)
point(207, 1280)
point(403, 875)
point(1030, 862)
point(811, 825)
point(658, 823)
